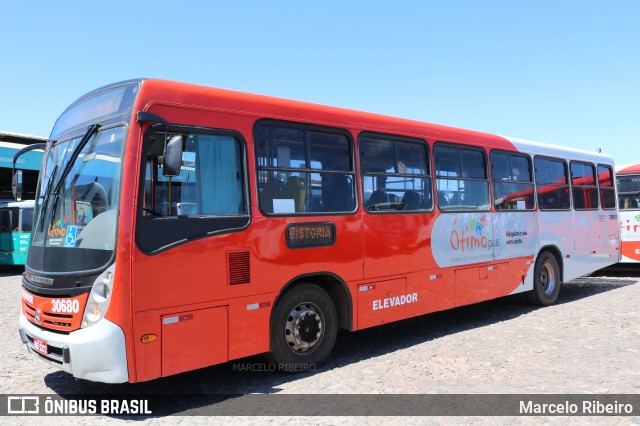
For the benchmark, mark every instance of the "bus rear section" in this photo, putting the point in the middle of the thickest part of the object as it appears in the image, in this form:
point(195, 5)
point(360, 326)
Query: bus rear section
point(628, 179)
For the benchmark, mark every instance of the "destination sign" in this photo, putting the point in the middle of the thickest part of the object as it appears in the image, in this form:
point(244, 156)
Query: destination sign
point(305, 235)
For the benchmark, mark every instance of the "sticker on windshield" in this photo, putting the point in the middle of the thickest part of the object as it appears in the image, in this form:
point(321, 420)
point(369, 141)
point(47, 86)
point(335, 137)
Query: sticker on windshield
point(57, 232)
point(70, 241)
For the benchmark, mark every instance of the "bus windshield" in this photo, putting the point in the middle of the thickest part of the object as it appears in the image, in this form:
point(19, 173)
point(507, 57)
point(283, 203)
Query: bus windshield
point(77, 203)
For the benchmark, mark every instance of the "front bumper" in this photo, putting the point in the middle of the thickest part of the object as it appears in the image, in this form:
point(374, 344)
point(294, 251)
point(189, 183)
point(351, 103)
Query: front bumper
point(96, 353)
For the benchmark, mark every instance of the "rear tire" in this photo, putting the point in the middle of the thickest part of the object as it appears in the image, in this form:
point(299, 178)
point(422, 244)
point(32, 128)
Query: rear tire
point(304, 325)
point(546, 281)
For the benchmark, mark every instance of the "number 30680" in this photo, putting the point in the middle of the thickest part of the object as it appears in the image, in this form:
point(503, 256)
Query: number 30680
point(65, 306)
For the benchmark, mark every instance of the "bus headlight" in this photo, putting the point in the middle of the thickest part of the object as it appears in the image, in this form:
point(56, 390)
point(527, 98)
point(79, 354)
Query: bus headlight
point(99, 298)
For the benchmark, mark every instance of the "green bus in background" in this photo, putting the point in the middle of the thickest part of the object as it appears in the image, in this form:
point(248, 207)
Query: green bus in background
point(16, 221)
point(16, 217)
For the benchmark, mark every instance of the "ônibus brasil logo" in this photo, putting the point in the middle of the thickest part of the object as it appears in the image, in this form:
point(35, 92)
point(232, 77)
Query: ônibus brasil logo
point(470, 236)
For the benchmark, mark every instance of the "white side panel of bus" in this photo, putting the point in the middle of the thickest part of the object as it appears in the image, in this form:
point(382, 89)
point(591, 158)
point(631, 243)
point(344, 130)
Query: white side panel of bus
point(516, 234)
point(556, 230)
point(595, 246)
point(589, 227)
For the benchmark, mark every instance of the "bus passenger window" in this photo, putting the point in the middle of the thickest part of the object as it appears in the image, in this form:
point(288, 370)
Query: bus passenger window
point(303, 169)
point(27, 220)
point(512, 181)
point(585, 191)
point(552, 184)
point(607, 191)
point(461, 178)
point(395, 174)
point(9, 220)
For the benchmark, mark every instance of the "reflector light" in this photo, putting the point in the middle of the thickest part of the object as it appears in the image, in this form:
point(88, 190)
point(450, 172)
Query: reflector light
point(148, 338)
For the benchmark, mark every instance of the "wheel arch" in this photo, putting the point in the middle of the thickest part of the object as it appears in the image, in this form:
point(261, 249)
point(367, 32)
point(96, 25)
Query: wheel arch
point(334, 286)
point(555, 251)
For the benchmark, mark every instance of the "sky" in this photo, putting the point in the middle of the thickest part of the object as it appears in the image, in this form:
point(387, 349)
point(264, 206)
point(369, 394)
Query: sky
point(562, 72)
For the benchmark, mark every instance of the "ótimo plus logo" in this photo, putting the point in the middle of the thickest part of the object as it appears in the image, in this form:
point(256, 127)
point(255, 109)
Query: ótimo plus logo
point(470, 236)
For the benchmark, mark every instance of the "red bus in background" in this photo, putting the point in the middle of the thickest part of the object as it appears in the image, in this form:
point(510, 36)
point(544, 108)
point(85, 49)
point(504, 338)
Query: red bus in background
point(181, 226)
point(628, 179)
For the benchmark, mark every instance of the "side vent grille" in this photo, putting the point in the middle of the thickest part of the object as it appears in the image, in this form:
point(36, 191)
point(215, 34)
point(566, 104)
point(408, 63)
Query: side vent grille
point(239, 267)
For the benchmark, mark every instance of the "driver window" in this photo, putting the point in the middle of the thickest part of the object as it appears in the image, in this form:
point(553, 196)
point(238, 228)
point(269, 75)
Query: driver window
point(208, 197)
point(209, 183)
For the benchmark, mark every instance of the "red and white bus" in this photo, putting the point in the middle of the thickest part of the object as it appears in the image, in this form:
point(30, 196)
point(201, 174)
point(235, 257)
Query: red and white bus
point(628, 179)
point(179, 226)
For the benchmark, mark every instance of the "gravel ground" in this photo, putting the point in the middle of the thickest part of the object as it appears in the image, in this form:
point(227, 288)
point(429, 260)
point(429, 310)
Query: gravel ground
point(588, 342)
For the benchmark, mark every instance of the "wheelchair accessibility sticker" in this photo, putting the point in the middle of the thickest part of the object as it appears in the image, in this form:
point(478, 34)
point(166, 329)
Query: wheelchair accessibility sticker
point(72, 232)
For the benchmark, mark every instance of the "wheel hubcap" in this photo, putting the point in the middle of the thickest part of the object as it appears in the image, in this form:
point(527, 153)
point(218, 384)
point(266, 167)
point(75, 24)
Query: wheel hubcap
point(304, 327)
point(547, 279)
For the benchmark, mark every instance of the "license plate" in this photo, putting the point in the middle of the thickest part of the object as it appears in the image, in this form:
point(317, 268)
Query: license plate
point(40, 346)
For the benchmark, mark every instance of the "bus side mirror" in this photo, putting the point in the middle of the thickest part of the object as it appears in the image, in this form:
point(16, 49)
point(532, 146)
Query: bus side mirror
point(16, 182)
point(172, 161)
point(16, 185)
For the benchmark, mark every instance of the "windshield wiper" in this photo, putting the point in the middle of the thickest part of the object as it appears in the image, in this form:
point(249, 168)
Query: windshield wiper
point(67, 167)
point(46, 196)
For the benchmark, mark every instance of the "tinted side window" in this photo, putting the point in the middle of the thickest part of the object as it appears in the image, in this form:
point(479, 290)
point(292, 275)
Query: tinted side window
point(461, 178)
point(584, 189)
point(552, 184)
point(5, 221)
point(395, 174)
point(512, 181)
point(303, 170)
point(607, 190)
point(9, 220)
point(27, 220)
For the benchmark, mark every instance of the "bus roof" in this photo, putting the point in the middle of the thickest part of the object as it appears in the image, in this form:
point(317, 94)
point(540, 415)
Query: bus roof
point(20, 138)
point(155, 91)
point(165, 92)
point(542, 148)
point(28, 161)
point(633, 168)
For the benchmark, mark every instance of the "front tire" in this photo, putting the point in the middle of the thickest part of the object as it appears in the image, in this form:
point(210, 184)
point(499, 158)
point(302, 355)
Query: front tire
point(304, 326)
point(546, 281)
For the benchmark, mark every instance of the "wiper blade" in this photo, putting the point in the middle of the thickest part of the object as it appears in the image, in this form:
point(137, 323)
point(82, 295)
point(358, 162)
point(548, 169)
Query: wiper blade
point(45, 202)
point(67, 167)
point(44, 196)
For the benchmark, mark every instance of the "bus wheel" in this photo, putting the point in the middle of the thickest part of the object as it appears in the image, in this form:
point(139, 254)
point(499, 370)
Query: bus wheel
point(304, 326)
point(546, 281)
